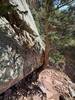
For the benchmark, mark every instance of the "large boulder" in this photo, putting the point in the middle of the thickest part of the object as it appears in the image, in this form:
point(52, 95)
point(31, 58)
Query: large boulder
point(19, 54)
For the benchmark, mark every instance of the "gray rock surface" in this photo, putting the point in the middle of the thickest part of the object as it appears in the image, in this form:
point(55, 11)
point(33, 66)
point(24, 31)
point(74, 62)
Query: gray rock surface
point(18, 60)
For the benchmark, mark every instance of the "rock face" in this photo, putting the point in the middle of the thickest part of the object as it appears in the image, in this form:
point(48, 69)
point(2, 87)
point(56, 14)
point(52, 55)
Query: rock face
point(19, 54)
point(54, 84)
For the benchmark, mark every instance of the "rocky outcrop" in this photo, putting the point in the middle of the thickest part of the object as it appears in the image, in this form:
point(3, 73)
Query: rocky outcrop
point(20, 44)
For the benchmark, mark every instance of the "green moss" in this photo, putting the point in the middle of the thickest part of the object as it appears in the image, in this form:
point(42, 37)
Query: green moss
point(4, 9)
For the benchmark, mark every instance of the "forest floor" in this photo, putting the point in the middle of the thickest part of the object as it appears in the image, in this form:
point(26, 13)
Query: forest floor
point(42, 84)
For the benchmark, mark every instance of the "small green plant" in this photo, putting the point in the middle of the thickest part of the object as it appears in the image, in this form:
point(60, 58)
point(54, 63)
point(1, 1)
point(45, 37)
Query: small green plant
point(5, 8)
